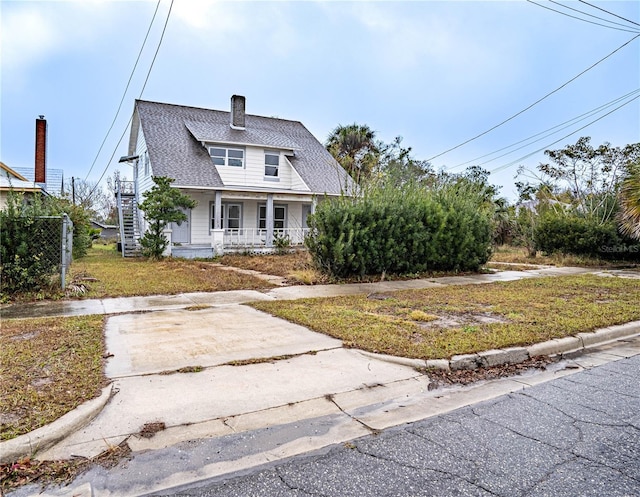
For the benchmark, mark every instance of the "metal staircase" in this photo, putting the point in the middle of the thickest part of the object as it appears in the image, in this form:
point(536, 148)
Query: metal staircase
point(129, 219)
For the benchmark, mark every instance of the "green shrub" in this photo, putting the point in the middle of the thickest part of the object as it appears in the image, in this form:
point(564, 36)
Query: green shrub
point(29, 247)
point(400, 230)
point(570, 233)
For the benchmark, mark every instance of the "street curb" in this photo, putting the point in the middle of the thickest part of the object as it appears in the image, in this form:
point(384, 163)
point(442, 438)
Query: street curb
point(28, 444)
point(515, 355)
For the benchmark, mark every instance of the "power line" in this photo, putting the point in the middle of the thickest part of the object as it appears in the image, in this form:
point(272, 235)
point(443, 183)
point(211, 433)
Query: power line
point(164, 28)
point(125, 91)
point(581, 19)
point(558, 127)
point(610, 13)
point(534, 103)
point(564, 137)
point(590, 15)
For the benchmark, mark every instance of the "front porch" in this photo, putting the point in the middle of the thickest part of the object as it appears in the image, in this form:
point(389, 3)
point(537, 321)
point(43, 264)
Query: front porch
point(252, 240)
point(228, 221)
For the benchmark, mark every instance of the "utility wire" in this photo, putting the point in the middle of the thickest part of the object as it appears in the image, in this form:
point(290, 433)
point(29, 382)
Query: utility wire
point(610, 13)
point(558, 127)
point(125, 91)
point(164, 28)
point(581, 19)
point(536, 102)
point(590, 15)
point(564, 137)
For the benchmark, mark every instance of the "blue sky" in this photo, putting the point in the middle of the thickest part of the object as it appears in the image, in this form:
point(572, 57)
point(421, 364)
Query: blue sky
point(435, 73)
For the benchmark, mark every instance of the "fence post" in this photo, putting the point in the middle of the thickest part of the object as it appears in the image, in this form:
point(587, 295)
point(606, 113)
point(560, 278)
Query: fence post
point(63, 252)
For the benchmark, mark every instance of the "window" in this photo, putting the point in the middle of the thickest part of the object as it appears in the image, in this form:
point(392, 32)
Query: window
point(145, 160)
point(279, 217)
point(271, 163)
point(231, 216)
point(221, 156)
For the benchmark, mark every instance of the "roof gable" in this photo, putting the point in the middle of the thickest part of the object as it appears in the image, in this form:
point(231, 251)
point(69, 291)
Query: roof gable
point(174, 135)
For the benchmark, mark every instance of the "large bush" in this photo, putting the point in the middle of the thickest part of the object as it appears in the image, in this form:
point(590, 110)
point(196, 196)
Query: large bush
point(400, 230)
point(29, 246)
point(570, 233)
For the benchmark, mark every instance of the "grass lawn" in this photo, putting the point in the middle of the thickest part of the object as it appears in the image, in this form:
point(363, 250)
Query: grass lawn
point(48, 367)
point(441, 322)
point(116, 276)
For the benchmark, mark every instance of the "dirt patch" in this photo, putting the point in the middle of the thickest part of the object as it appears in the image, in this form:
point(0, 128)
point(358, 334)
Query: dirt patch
point(442, 377)
point(458, 319)
point(149, 430)
point(28, 471)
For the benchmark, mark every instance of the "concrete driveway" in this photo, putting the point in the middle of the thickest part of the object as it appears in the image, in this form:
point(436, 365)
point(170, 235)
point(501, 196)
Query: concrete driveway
point(289, 365)
point(169, 340)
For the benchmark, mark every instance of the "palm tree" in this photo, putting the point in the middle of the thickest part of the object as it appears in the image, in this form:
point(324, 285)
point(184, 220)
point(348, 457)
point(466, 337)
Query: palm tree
point(630, 202)
point(354, 147)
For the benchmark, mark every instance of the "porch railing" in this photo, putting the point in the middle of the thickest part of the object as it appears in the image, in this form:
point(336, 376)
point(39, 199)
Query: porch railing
point(257, 237)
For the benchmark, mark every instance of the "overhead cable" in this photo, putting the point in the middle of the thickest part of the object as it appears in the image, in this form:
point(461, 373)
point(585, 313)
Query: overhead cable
point(534, 103)
point(560, 139)
point(141, 92)
point(610, 13)
point(125, 91)
point(590, 15)
point(547, 132)
point(582, 19)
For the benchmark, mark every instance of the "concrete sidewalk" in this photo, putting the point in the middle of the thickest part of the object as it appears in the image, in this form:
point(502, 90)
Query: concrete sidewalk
point(257, 372)
point(121, 305)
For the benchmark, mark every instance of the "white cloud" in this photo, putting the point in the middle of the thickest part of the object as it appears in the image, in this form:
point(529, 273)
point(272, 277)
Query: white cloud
point(28, 36)
point(33, 32)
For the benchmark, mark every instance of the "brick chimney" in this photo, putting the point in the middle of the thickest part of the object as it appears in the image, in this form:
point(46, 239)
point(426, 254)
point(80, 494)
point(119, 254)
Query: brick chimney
point(237, 111)
point(41, 150)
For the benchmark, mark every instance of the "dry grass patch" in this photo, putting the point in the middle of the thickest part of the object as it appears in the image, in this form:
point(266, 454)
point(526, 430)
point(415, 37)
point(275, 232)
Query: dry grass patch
point(472, 318)
point(518, 255)
point(48, 367)
point(115, 276)
point(296, 266)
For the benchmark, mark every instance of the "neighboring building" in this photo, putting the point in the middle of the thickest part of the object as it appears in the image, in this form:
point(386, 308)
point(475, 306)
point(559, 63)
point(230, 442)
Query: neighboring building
point(107, 231)
point(10, 179)
point(50, 180)
point(256, 179)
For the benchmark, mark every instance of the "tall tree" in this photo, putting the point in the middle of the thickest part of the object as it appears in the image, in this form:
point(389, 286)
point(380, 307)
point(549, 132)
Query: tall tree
point(162, 205)
point(588, 178)
point(354, 147)
point(88, 195)
point(630, 202)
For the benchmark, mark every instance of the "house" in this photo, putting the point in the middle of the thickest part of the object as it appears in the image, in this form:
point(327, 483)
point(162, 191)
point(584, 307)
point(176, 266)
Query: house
point(11, 180)
point(255, 179)
point(107, 231)
point(49, 180)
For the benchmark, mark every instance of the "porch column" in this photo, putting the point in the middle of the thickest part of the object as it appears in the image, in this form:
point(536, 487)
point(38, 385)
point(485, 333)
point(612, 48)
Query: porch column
point(217, 234)
point(269, 220)
point(217, 211)
point(314, 203)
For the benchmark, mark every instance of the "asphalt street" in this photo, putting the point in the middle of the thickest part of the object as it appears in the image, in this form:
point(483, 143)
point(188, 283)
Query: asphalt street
point(574, 436)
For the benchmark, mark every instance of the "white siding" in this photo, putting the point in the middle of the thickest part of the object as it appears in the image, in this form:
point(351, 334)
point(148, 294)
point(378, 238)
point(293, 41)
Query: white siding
point(201, 214)
point(200, 233)
point(252, 174)
point(144, 181)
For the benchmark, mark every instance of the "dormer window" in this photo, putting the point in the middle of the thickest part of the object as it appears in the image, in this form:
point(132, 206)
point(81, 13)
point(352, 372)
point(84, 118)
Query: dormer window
point(271, 164)
point(233, 157)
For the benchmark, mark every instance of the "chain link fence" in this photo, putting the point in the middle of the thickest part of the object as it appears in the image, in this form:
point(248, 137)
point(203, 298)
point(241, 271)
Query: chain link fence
point(33, 249)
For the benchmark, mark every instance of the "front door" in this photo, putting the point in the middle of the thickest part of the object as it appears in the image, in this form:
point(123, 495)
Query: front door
point(181, 233)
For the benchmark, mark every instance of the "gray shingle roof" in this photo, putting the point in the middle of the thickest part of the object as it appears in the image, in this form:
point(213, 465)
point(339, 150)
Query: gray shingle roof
point(174, 133)
point(54, 177)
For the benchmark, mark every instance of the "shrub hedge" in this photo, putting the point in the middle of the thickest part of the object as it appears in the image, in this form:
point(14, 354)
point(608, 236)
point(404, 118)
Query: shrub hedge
point(400, 230)
point(570, 233)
